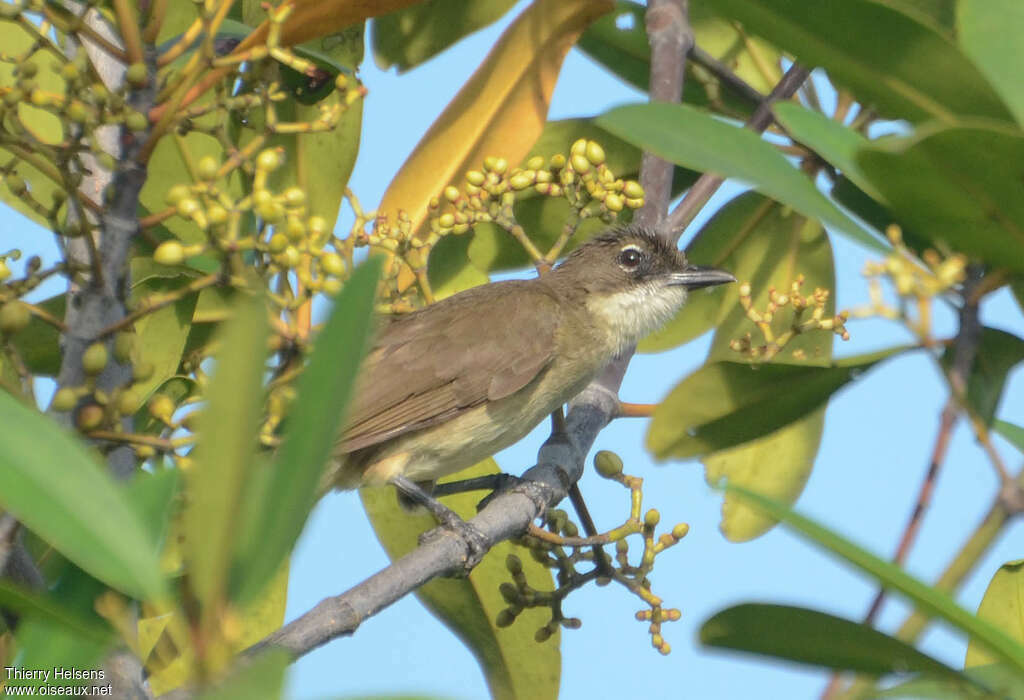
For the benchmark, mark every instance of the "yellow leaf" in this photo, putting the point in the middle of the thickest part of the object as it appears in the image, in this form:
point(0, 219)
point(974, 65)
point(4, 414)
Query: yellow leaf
point(501, 110)
point(312, 19)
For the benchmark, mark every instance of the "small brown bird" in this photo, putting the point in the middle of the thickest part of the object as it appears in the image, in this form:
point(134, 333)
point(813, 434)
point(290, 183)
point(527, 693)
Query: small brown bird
point(451, 384)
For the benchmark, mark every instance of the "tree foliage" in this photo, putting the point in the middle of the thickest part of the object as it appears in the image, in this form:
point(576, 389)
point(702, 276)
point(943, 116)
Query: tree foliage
point(192, 160)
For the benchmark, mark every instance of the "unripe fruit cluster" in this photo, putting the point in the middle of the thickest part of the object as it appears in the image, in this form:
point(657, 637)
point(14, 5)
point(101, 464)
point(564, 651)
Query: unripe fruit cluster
point(583, 178)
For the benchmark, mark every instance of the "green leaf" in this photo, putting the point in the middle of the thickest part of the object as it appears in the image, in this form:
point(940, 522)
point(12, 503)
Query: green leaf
point(160, 336)
point(43, 644)
point(939, 14)
point(724, 404)
point(695, 140)
point(929, 601)
point(1002, 607)
point(47, 608)
point(836, 143)
point(999, 680)
point(514, 664)
point(989, 33)
point(817, 639)
point(618, 41)
point(38, 344)
point(225, 452)
point(1013, 433)
point(50, 482)
point(320, 162)
point(39, 172)
point(408, 37)
point(262, 679)
point(904, 68)
point(173, 163)
point(998, 353)
point(449, 270)
point(275, 520)
point(153, 497)
point(957, 185)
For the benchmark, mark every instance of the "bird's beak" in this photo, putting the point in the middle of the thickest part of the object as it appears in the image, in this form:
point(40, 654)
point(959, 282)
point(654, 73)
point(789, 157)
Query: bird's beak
point(696, 276)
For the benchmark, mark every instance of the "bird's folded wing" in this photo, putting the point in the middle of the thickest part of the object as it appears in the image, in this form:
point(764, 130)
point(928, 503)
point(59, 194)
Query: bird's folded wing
point(434, 364)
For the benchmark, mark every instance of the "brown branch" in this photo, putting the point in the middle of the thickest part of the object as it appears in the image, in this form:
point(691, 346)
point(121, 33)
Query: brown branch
point(671, 39)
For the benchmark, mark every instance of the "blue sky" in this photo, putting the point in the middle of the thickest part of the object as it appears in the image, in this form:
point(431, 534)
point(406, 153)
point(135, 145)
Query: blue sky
point(878, 437)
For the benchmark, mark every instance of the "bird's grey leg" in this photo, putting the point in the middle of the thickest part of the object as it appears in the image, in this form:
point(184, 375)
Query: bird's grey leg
point(490, 482)
point(475, 540)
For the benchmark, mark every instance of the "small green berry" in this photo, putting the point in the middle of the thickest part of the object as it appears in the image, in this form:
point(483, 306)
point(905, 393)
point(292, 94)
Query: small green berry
point(332, 264)
point(652, 518)
point(124, 343)
point(136, 75)
point(608, 464)
point(89, 417)
point(294, 197)
point(94, 359)
point(128, 402)
point(161, 407)
point(177, 193)
point(632, 189)
point(207, 168)
point(169, 253)
point(136, 121)
point(63, 401)
point(14, 316)
point(504, 619)
point(269, 159)
point(317, 225)
point(277, 243)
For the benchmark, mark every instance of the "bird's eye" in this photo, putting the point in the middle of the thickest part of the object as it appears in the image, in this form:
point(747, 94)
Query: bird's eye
point(630, 257)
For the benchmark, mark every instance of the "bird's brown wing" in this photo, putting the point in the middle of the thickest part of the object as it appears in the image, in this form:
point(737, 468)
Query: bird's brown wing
point(434, 364)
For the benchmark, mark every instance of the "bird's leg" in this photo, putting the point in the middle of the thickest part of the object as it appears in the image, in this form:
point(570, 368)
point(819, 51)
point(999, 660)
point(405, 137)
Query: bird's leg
point(490, 482)
point(476, 542)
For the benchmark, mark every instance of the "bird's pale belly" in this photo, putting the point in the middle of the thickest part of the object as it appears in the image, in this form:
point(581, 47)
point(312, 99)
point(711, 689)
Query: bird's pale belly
point(463, 441)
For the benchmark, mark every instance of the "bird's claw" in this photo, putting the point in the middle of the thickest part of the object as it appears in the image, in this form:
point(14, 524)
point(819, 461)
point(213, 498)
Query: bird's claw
point(477, 544)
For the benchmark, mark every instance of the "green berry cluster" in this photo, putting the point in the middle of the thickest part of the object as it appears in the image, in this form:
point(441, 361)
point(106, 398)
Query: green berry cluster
point(559, 547)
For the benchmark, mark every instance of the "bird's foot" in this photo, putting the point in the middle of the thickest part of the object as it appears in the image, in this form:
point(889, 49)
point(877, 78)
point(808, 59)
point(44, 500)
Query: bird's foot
point(477, 544)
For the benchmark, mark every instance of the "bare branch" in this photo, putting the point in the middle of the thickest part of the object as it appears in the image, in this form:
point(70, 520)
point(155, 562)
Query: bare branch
point(670, 36)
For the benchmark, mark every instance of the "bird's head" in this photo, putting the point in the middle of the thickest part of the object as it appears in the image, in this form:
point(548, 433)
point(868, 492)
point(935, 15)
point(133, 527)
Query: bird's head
point(632, 280)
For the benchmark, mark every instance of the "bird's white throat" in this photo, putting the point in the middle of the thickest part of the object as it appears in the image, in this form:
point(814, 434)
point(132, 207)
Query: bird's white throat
point(631, 315)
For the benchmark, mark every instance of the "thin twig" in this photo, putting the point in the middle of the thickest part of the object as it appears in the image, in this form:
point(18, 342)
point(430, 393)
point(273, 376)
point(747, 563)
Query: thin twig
point(707, 184)
point(164, 300)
